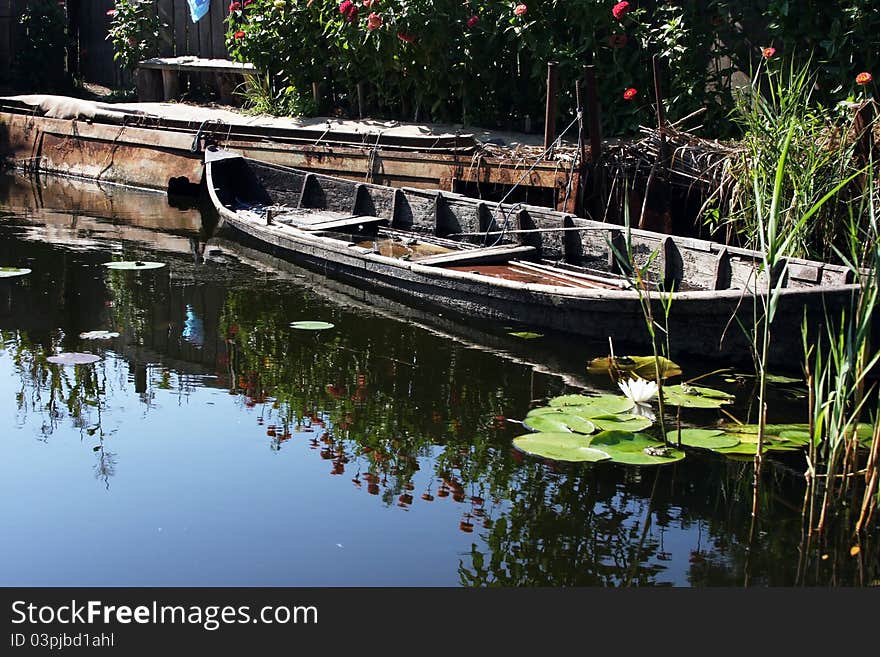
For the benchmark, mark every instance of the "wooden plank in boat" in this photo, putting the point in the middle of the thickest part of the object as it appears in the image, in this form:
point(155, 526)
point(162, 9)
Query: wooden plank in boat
point(489, 254)
point(359, 220)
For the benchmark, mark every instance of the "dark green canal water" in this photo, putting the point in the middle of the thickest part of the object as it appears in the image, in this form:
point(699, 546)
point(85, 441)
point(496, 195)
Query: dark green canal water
point(212, 444)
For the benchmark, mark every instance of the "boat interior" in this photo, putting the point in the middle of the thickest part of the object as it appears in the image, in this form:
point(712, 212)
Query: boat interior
point(512, 241)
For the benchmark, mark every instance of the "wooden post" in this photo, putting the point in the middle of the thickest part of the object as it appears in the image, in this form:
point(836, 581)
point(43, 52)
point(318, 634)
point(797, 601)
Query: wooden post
point(550, 112)
point(592, 100)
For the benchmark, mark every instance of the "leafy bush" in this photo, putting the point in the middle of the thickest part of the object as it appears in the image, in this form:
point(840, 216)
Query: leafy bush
point(484, 61)
point(134, 31)
point(41, 46)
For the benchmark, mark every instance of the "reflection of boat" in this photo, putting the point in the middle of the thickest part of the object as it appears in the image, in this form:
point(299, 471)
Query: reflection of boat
point(533, 355)
point(518, 263)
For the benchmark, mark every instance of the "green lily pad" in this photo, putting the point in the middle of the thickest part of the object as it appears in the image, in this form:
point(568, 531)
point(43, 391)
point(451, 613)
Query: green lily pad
point(629, 448)
point(621, 422)
point(526, 335)
point(751, 448)
point(311, 326)
point(73, 358)
point(570, 447)
point(591, 406)
point(644, 366)
point(10, 272)
point(558, 422)
point(695, 396)
point(130, 265)
point(98, 335)
point(778, 378)
point(705, 438)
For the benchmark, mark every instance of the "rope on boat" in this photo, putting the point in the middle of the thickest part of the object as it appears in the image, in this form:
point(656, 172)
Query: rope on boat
point(556, 142)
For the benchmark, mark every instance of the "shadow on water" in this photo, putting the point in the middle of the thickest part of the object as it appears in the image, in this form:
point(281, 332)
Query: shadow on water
point(409, 412)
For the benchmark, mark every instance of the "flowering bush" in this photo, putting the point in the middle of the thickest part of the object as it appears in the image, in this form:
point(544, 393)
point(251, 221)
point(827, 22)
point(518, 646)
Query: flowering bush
point(134, 31)
point(484, 61)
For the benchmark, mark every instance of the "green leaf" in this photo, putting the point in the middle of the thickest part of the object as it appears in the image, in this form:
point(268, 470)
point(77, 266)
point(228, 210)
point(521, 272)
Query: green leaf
point(9, 272)
point(558, 422)
point(621, 422)
point(570, 447)
point(311, 326)
point(705, 438)
point(695, 396)
point(526, 335)
point(644, 366)
point(591, 406)
point(133, 264)
point(629, 448)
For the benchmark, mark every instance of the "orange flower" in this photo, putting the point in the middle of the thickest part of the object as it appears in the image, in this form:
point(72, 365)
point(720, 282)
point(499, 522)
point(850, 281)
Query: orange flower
point(239, 35)
point(864, 78)
point(629, 94)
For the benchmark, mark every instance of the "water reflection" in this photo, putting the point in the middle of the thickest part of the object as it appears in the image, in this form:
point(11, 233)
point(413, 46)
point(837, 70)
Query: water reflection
point(409, 413)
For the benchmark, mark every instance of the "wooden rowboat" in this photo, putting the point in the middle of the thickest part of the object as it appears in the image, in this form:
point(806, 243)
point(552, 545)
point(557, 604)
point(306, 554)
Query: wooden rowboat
point(523, 264)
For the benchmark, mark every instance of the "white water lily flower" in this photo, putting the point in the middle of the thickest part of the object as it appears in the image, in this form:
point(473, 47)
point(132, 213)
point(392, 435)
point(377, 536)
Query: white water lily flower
point(638, 389)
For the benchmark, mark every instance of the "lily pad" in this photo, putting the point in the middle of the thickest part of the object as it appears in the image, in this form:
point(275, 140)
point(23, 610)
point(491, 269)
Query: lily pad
point(131, 265)
point(558, 422)
point(570, 447)
point(590, 406)
point(10, 272)
point(311, 326)
point(621, 422)
point(98, 335)
point(644, 366)
point(695, 396)
point(629, 448)
point(73, 358)
point(526, 335)
point(751, 448)
point(705, 438)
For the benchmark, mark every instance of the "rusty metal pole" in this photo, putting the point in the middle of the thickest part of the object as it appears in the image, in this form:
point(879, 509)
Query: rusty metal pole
point(550, 112)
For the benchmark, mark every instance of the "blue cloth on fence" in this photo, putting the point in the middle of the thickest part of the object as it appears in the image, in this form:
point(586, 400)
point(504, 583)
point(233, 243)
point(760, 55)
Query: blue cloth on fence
point(198, 8)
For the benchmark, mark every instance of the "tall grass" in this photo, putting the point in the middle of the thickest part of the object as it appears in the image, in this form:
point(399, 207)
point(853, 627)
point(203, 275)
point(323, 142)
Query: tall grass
point(793, 208)
point(780, 121)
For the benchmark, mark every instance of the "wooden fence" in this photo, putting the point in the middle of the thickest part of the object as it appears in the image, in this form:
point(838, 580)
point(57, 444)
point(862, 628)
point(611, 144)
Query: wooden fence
point(91, 54)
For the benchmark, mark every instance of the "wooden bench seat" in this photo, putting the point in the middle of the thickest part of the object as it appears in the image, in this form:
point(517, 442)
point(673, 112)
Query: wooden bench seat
point(480, 256)
point(159, 77)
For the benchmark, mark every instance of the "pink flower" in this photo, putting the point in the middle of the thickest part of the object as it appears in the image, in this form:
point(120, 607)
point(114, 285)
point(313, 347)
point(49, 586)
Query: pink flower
point(344, 6)
point(864, 78)
point(234, 6)
point(111, 12)
point(473, 20)
point(370, 3)
point(519, 10)
point(352, 14)
point(629, 94)
point(247, 2)
point(620, 10)
point(408, 38)
point(768, 52)
point(374, 21)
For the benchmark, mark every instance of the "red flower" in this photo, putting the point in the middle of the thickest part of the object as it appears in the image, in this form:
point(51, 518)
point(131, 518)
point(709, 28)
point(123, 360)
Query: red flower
point(403, 36)
point(617, 40)
point(864, 78)
point(246, 3)
point(473, 20)
point(234, 6)
point(239, 35)
point(620, 10)
point(519, 10)
point(374, 21)
point(629, 94)
point(345, 6)
point(768, 52)
point(352, 14)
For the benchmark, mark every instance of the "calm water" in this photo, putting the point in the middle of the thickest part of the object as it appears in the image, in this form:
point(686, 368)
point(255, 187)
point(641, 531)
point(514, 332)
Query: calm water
point(214, 445)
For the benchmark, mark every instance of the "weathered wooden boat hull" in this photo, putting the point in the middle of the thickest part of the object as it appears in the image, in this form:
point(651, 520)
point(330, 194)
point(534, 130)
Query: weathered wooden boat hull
point(705, 322)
